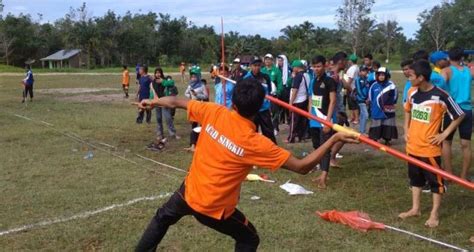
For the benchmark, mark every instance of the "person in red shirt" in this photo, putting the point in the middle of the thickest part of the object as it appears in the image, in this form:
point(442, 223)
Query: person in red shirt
point(227, 149)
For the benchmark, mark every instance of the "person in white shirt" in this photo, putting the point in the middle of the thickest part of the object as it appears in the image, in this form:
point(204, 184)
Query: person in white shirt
point(349, 84)
point(299, 99)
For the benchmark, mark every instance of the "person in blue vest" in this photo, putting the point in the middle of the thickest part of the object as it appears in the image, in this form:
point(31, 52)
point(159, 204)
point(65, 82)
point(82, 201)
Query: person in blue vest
point(263, 119)
point(144, 82)
point(28, 84)
point(368, 62)
point(383, 97)
point(362, 85)
point(459, 86)
point(219, 88)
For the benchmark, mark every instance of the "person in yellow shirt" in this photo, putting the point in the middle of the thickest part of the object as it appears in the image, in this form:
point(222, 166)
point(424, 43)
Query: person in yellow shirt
point(226, 151)
point(125, 80)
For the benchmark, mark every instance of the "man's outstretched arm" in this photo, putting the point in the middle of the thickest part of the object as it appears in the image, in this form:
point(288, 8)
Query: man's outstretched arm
point(305, 165)
point(167, 102)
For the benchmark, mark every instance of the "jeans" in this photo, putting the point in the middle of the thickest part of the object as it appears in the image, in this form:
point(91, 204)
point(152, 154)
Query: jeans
point(166, 113)
point(364, 116)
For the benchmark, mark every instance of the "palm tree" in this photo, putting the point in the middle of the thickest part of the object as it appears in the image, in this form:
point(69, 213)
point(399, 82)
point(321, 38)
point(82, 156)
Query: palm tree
point(390, 30)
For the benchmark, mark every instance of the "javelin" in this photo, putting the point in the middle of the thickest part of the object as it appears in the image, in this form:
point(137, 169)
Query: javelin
point(374, 144)
point(223, 60)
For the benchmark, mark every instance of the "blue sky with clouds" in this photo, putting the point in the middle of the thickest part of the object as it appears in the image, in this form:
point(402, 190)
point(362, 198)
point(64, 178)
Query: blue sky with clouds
point(246, 17)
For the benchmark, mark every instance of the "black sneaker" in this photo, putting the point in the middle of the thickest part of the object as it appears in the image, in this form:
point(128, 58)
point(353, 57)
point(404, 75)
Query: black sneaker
point(426, 188)
point(152, 147)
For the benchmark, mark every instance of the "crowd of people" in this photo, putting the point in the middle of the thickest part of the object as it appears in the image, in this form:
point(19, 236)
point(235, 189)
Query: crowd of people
point(436, 102)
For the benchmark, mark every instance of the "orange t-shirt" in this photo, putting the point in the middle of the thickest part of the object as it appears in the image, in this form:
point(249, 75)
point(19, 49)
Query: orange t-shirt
point(125, 78)
point(227, 148)
point(426, 111)
point(182, 69)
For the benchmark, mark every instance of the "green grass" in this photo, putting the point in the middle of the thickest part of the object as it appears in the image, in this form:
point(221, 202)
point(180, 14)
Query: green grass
point(44, 175)
point(13, 69)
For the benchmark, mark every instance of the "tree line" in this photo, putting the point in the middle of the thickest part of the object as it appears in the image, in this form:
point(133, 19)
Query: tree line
point(157, 38)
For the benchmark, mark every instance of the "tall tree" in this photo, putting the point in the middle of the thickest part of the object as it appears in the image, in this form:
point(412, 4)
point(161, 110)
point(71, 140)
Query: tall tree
point(434, 26)
point(350, 15)
point(390, 30)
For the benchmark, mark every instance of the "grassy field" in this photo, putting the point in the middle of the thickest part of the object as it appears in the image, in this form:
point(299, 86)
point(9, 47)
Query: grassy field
point(13, 69)
point(44, 175)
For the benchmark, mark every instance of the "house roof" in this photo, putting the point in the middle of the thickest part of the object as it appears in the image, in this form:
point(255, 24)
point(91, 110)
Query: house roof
point(62, 54)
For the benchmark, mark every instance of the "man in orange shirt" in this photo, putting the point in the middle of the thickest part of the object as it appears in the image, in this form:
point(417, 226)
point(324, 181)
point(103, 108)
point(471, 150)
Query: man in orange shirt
point(227, 149)
point(424, 109)
point(125, 80)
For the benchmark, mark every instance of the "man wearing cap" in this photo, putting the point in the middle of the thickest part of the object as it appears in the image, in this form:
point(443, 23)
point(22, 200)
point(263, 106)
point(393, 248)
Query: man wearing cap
point(440, 61)
point(349, 83)
point(263, 119)
point(237, 72)
point(277, 86)
point(299, 99)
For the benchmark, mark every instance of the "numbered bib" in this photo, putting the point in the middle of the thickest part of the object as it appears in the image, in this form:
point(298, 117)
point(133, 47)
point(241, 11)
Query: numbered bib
point(317, 101)
point(421, 113)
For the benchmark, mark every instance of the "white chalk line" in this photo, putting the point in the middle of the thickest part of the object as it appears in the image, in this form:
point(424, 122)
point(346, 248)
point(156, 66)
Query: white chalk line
point(78, 139)
point(162, 164)
point(82, 215)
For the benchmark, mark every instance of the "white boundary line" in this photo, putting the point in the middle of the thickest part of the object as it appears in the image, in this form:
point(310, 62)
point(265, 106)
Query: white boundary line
point(77, 138)
point(82, 215)
point(162, 164)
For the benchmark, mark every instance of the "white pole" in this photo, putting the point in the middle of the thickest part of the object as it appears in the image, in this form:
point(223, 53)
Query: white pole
point(426, 238)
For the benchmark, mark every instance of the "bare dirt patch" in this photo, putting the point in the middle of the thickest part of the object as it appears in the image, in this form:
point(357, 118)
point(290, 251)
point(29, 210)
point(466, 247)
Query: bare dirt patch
point(98, 98)
point(74, 90)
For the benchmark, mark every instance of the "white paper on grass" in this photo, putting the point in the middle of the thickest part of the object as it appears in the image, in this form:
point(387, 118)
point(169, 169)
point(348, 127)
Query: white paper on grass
point(294, 189)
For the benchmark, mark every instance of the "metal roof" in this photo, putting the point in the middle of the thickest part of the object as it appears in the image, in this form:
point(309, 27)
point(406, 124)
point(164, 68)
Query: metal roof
point(62, 54)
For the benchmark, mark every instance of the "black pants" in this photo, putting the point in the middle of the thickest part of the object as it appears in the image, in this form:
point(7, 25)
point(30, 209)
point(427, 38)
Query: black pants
point(275, 116)
point(193, 138)
point(285, 113)
point(236, 226)
point(141, 114)
point(28, 89)
point(263, 120)
point(318, 138)
point(298, 123)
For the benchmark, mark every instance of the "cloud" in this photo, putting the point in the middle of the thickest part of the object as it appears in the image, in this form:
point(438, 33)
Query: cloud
point(246, 17)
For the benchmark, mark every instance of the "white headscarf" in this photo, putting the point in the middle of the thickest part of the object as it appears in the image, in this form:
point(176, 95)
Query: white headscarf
point(284, 69)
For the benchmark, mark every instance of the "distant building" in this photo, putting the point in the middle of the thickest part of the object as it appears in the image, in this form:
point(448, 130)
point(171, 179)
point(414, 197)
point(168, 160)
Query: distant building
point(69, 58)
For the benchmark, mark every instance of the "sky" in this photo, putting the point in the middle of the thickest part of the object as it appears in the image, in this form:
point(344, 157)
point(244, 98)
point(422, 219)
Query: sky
point(262, 17)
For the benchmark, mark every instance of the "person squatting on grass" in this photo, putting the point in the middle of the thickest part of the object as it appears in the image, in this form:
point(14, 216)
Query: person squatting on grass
point(125, 80)
point(196, 91)
point(227, 149)
point(383, 99)
point(28, 82)
point(424, 109)
point(144, 85)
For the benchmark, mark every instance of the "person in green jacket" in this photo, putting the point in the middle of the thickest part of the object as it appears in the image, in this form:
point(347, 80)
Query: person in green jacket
point(276, 90)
